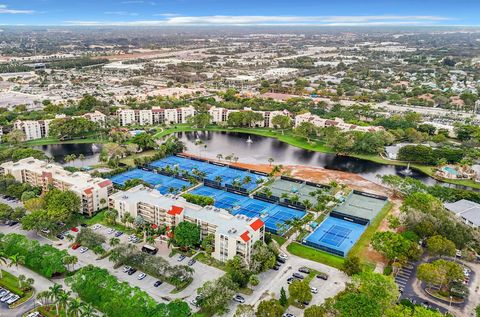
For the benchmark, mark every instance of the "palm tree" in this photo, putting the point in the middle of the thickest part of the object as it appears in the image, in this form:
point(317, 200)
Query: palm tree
point(63, 300)
point(54, 293)
point(218, 179)
point(219, 157)
point(87, 310)
point(3, 260)
point(43, 297)
point(16, 260)
point(75, 307)
point(81, 157)
point(29, 281)
point(246, 180)
point(114, 242)
point(270, 160)
point(21, 279)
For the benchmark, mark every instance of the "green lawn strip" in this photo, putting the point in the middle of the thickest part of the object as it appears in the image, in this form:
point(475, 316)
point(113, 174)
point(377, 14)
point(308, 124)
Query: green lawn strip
point(208, 260)
point(280, 240)
point(51, 312)
point(100, 219)
point(47, 141)
point(246, 291)
point(129, 160)
point(10, 282)
point(312, 254)
point(367, 235)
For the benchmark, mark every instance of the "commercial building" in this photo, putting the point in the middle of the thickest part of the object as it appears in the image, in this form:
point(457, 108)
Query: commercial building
point(93, 191)
point(234, 235)
point(154, 116)
point(337, 122)
point(37, 129)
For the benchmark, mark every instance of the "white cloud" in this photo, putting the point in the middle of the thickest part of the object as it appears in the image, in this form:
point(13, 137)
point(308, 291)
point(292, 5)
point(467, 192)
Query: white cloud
point(175, 20)
point(5, 10)
point(166, 14)
point(123, 13)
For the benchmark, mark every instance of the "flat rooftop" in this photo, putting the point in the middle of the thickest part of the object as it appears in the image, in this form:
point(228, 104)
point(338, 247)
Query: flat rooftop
point(221, 218)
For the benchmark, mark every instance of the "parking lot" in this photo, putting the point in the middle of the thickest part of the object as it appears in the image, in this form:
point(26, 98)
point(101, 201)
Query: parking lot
point(272, 281)
point(162, 293)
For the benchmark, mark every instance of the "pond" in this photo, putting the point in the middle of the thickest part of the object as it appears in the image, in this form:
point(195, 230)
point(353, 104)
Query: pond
point(260, 149)
point(90, 151)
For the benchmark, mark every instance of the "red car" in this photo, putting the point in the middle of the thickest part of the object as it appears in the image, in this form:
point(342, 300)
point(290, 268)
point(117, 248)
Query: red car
point(75, 229)
point(75, 246)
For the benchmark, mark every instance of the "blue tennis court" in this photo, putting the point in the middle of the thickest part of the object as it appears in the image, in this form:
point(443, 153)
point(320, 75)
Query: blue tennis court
point(273, 215)
point(164, 184)
point(336, 236)
point(213, 172)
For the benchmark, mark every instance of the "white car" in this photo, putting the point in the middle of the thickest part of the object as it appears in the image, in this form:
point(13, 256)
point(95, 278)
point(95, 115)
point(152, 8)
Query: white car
point(110, 231)
point(283, 256)
point(6, 297)
point(141, 276)
point(13, 299)
point(83, 249)
point(34, 314)
point(96, 226)
point(126, 269)
point(314, 290)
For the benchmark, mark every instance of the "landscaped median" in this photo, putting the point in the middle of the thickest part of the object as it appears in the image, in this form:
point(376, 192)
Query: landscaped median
point(312, 254)
point(11, 283)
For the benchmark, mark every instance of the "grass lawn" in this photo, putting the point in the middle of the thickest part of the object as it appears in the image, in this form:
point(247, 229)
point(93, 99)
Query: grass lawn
point(367, 235)
point(100, 218)
point(129, 160)
point(208, 260)
point(279, 239)
point(312, 254)
point(50, 311)
point(46, 141)
point(10, 282)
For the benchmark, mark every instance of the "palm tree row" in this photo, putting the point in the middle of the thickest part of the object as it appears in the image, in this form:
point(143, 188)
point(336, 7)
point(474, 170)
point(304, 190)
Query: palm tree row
point(73, 307)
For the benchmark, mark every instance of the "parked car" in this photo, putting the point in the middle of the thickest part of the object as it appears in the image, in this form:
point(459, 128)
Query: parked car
point(141, 276)
point(283, 256)
point(181, 258)
point(279, 259)
point(314, 290)
point(110, 231)
point(290, 280)
point(239, 299)
point(118, 234)
point(298, 275)
point(45, 230)
point(75, 246)
point(323, 276)
point(304, 270)
point(60, 236)
point(126, 269)
point(83, 225)
point(157, 283)
point(6, 297)
point(74, 229)
point(191, 262)
point(83, 249)
point(306, 303)
point(96, 226)
point(34, 314)
point(132, 271)
point(13, 299)
point(195, 301)
point(276, 267)
point(13, 223)
point(288, 315)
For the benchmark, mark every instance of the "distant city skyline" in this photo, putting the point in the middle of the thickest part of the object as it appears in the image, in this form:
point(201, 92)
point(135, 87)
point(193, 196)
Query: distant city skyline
point(243, 13)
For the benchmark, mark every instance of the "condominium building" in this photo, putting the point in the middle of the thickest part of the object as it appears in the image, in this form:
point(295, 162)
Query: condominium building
point(37, 129)
point(234, 235)
point(93, 191)
point(220, 115)
point(33, 129)
point(155, 116)
point(337, 122)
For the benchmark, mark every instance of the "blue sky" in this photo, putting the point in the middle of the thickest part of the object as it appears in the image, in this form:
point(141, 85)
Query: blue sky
point(240, 12)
